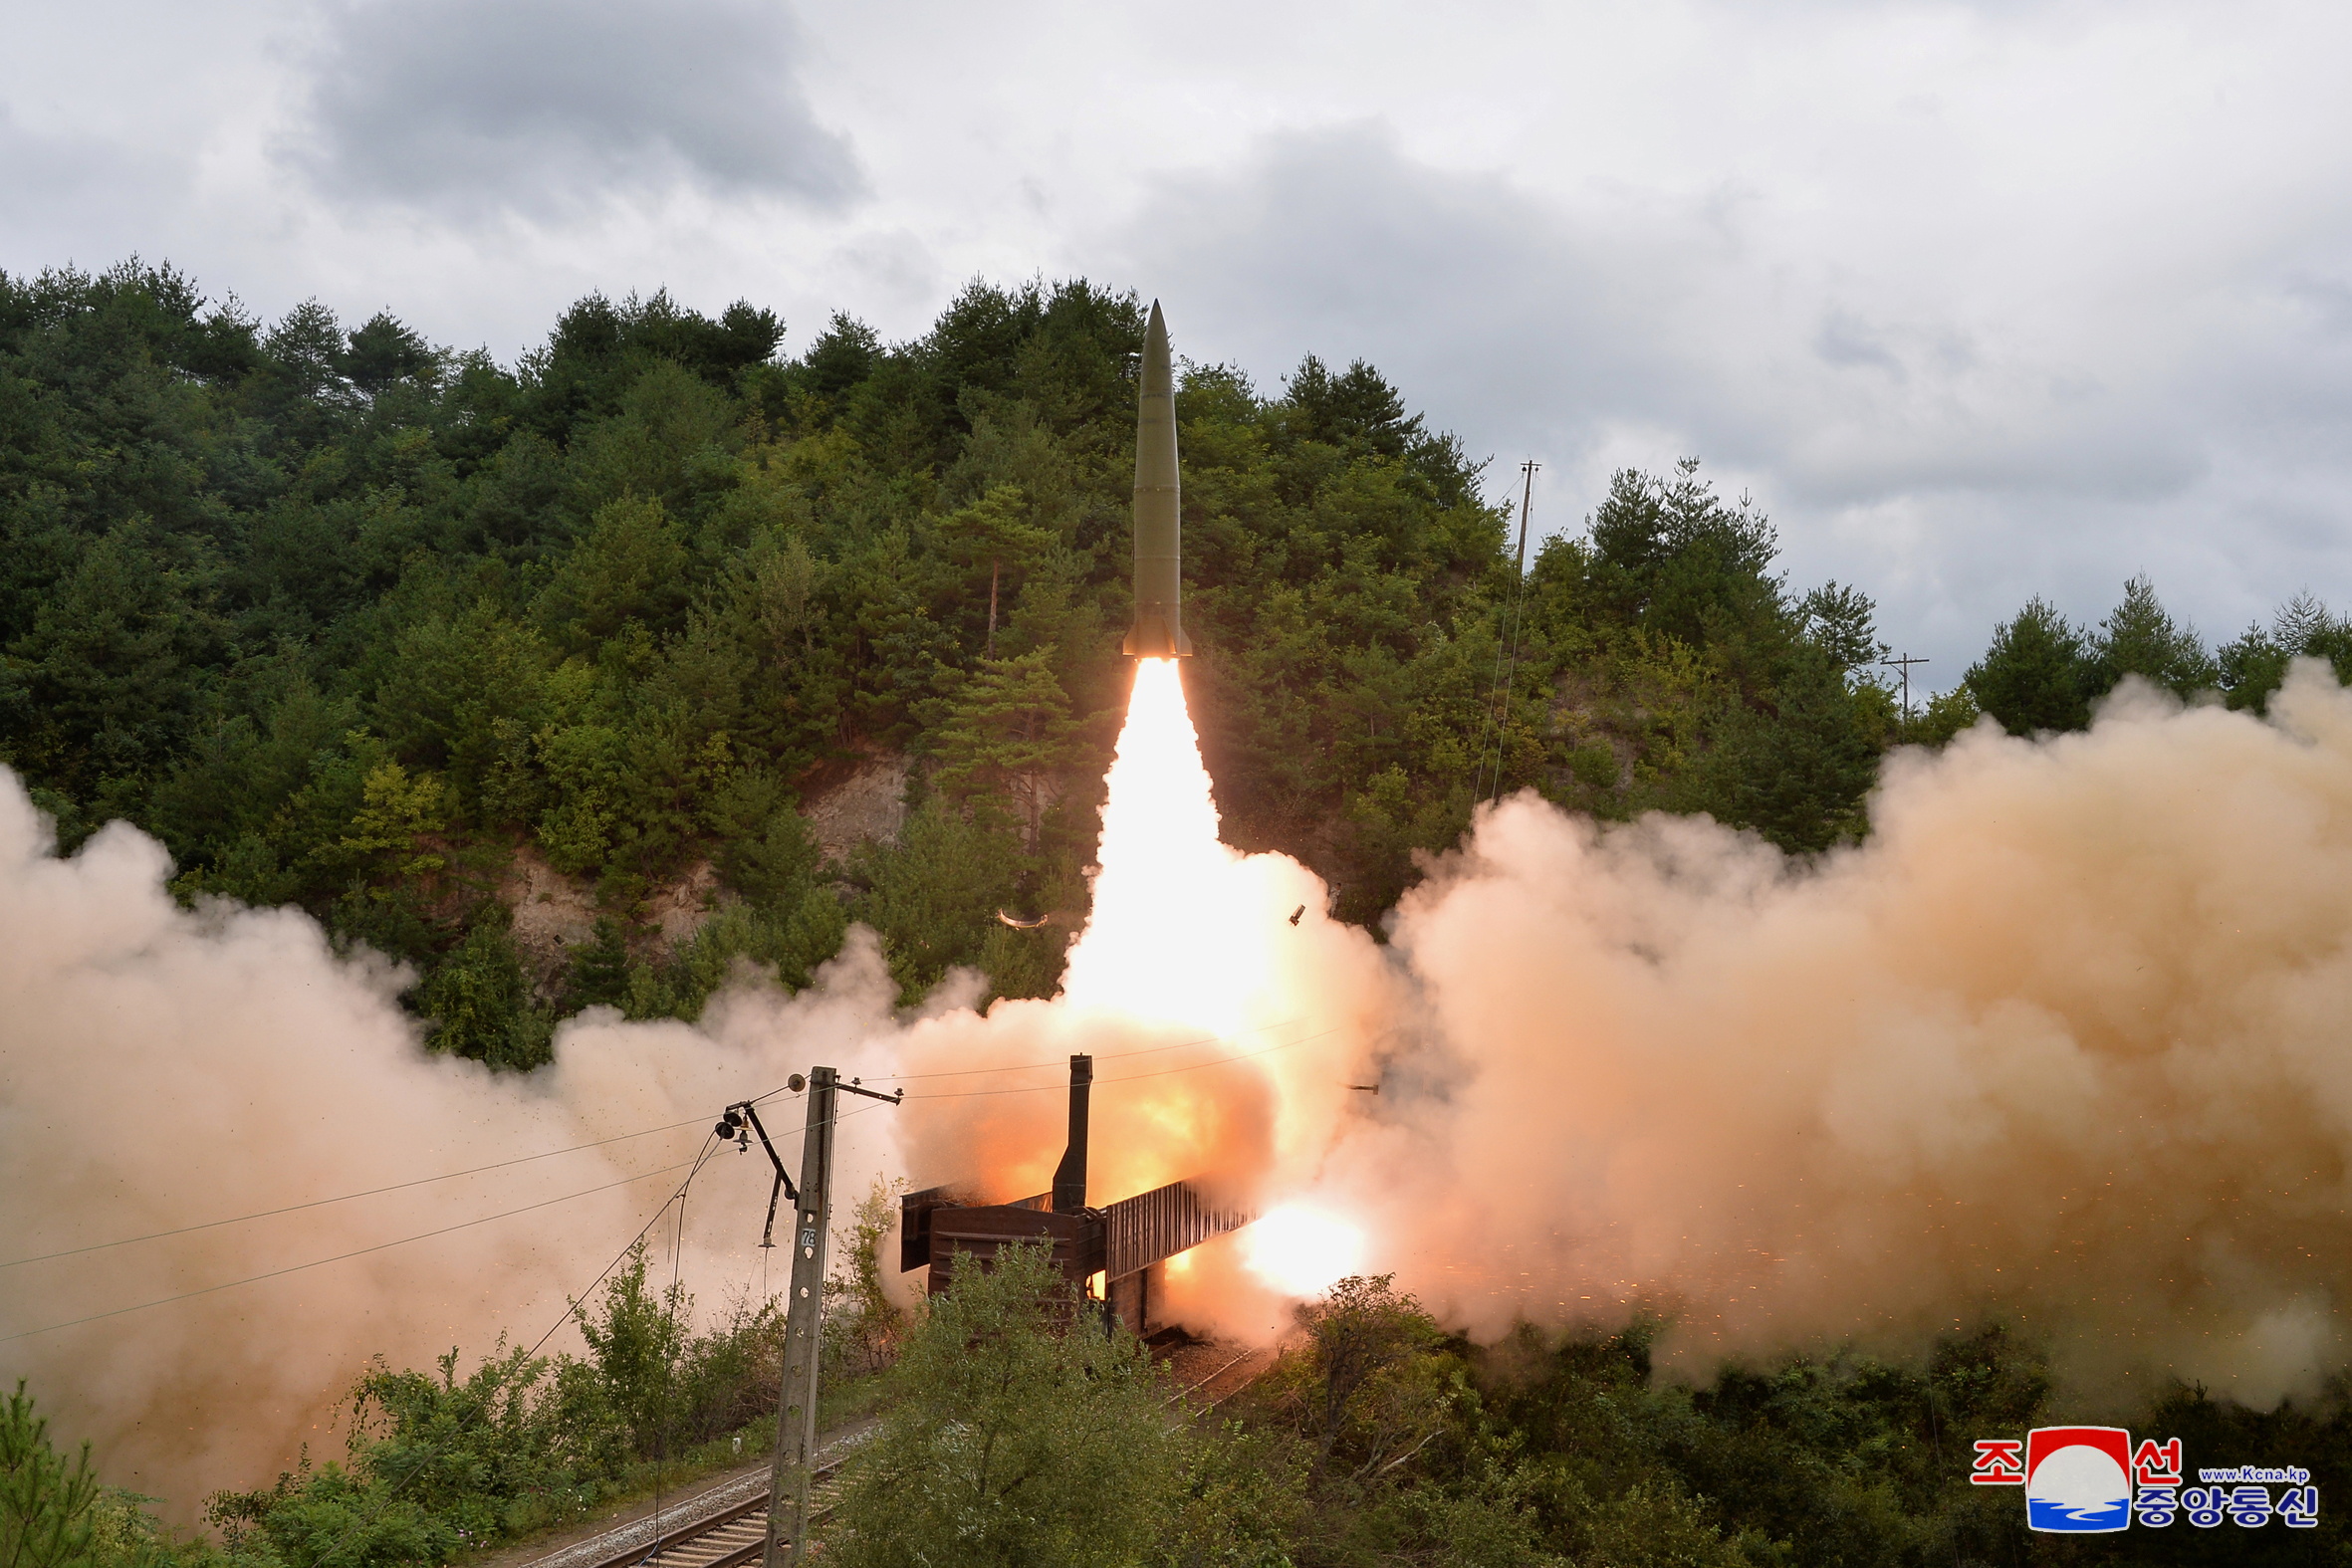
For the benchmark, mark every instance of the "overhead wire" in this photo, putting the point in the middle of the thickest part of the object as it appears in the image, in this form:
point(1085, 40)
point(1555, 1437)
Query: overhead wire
point(598, 1143)
point(392, 1493)
point(696, 1163)
point(319, 1262)
point(1100, 1055)
point(1130, 1078)
point(344, 1198)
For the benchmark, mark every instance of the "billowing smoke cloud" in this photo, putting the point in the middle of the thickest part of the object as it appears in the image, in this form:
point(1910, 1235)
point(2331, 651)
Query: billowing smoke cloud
point(160, 1069)
point(2063, 1042)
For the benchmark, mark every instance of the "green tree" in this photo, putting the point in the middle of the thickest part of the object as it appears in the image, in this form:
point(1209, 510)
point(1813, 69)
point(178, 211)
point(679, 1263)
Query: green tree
point(934, 895)
point(631, 567)
point(106, 680)
point(2038, 674)
point(1795, 766)
point(2253, 666)
point(991, 534)
point(1020, 1431)
point(2141, 639)
point(1356, 1387)
point(49, 1509)
point(1008, 735)
point(1674, 558)
point(863, 1325)
point(481, 1002)
point(636, 1336)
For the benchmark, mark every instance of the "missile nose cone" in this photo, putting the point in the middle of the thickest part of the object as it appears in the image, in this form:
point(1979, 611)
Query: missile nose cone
point(1159, 377)
point(1159, 631)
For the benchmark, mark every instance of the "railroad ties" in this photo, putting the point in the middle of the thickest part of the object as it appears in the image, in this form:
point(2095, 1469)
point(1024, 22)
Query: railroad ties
point(731, 1536)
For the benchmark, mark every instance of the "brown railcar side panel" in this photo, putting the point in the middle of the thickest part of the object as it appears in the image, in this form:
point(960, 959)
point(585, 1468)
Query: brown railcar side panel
point(978, 1233)
point(1152, 1226)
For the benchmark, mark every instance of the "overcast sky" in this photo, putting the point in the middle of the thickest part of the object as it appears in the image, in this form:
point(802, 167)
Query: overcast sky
point(1978, 302)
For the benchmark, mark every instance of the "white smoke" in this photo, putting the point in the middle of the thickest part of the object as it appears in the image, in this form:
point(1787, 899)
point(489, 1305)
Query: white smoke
point(161, 1069)
point(2067, 1040)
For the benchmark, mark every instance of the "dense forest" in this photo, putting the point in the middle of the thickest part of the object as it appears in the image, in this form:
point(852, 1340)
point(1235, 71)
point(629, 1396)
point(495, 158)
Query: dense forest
point(357, 622)
point(399, 634)
point(1018, 1432)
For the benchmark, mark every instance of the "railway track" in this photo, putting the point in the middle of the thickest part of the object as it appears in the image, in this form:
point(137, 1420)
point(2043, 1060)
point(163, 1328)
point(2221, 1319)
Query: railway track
point(728, 1538)
point(725, 1527)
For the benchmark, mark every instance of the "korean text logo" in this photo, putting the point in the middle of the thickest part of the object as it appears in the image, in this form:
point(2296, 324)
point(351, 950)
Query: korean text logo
point(2089, 1480)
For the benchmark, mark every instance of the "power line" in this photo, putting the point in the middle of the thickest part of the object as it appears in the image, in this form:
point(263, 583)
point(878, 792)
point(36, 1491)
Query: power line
point(392, 1492)
point(1158, 1072)
point(424, 1235)
point(321, 1203)
point(1063, 1062)
point(548, 1153)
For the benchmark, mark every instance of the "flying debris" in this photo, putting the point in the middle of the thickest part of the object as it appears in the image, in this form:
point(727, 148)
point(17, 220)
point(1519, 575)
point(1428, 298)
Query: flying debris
point(1296, 913)
point(1158, 632)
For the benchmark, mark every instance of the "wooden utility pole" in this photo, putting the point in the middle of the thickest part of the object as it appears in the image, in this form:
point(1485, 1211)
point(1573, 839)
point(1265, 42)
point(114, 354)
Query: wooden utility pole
point(1904, 663)
point(804, 1323)
point(796, 1415)
point(1527, 499)
point(1517, 597)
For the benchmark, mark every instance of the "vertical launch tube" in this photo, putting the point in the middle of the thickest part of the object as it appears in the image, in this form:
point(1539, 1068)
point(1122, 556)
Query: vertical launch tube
point(1159, 631)
point(1069, 1177)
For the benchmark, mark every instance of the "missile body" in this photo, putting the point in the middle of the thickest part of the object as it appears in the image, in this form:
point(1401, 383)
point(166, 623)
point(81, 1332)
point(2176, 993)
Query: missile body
point(1158, 632)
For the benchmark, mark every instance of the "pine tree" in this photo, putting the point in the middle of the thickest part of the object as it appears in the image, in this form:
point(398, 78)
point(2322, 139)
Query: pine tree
point(2038, 673)
point(1007, 735)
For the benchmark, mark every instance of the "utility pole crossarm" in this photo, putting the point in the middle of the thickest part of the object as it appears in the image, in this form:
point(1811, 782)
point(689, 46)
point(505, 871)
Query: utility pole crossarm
point(1904, 664)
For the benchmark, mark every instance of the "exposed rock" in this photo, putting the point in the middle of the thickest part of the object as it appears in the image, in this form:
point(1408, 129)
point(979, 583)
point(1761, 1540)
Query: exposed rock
point(678, 908)
point(551, 912)
point(869, 805)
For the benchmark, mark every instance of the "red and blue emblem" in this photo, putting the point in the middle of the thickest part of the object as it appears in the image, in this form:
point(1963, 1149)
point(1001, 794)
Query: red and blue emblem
point(2078, 1480)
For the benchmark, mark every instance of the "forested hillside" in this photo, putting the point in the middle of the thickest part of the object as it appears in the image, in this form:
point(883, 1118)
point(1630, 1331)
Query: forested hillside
point(358, 622)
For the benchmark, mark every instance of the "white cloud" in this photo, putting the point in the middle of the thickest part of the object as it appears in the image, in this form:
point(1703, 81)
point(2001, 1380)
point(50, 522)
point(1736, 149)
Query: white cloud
point(542, 105)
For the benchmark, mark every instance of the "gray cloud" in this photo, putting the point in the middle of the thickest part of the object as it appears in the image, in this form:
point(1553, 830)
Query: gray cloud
point(542, 106)
point(70, 199)
point(1954, 456)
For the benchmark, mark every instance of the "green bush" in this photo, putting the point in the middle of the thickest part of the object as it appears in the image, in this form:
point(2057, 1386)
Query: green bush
point(1019, 1433)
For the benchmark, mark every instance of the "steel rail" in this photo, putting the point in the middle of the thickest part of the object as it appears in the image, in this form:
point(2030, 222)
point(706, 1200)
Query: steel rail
point(660, 1548)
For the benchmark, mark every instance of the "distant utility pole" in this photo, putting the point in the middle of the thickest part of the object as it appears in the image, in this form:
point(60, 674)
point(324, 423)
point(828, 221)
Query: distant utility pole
point(795, 1416)
point(1518, 596)
point(1904, 663)
point(1526, 498)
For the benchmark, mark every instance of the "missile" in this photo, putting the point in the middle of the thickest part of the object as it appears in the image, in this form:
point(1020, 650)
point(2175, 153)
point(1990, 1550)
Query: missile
point(1158, 632)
